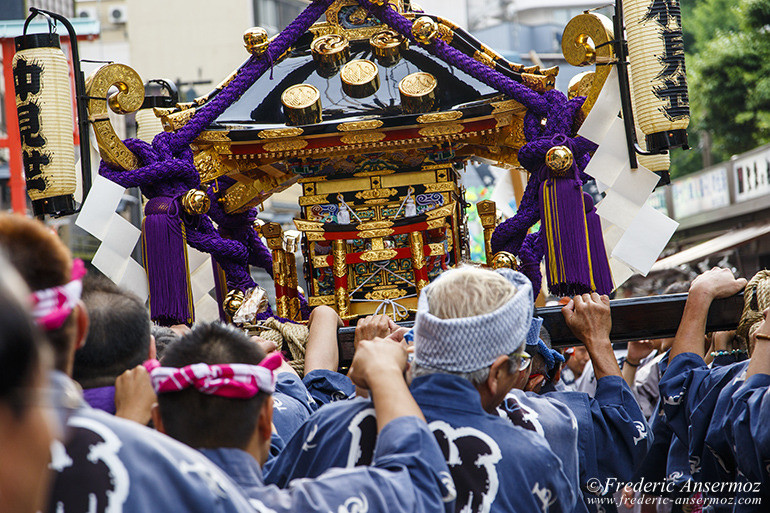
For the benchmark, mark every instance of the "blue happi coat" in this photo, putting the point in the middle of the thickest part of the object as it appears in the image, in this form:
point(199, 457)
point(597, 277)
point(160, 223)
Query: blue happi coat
point(110, 464)
point(295, 399)
point(408, 474)
point(749, 418)
point(695, 399)
point(552, 420)
point(613, 437)
point(690, 392)
point(495, 466)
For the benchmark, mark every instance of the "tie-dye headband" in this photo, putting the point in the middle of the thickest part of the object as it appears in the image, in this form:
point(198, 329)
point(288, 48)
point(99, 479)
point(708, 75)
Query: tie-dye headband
point(233, 380)
point(51, 307)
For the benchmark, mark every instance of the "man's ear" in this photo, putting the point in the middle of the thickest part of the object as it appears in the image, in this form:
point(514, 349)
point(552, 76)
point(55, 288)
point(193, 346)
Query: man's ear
point(497, 371)
point(81, 324)
point(265, 420)
point(157, 420)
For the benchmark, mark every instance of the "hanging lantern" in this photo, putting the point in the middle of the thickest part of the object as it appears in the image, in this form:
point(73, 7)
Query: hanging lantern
point(44, 104)
point(656, 57)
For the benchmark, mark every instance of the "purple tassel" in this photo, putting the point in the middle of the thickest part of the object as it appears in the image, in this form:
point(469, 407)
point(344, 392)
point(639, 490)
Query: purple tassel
point(562, 212)
point(599, 264)
point(164, 249)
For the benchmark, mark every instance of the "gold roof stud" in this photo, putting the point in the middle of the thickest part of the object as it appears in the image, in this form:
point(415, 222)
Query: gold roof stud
point(256, 41)
point(424, 30)
point(387, 46)
point(418, 93)
point(559, 160)
point(302, 104)
point(330, 52)
point(360, 78)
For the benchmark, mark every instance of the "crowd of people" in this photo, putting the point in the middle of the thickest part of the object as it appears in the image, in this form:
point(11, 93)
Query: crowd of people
point(471, 411)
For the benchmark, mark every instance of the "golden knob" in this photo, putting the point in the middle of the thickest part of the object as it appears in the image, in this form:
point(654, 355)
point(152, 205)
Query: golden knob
point(387, 45)
point(256, 41)
point(360, 78)
point(559, 160)
point(196, 201)
point(330, 52)
point(302, 104)
point(418, 92)
point(233, 301)
point(505, 260)
point(424, 30)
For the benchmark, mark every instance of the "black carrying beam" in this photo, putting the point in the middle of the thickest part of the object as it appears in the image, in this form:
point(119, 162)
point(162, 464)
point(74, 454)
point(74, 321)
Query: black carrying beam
point(632, 319)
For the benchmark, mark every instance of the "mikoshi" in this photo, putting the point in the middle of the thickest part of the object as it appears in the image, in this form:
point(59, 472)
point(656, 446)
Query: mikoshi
point(374, 109)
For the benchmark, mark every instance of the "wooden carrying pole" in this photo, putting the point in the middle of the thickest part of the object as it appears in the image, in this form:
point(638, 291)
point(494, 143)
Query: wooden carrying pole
point(632, 319)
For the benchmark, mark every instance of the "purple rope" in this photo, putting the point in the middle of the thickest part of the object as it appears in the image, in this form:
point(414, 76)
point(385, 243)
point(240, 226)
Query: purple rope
point(530, 255)
point(245, 78)
point(510, 234)
point(519, 92)
point(168, 169)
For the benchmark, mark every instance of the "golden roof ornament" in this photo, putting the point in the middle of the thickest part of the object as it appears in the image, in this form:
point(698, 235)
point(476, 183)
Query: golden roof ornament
point(424, 29)
point(196, 202)
point(559, 160)
point(505, 260)
point(330, 52)
point(302, 104)
point(256, 40)
point(418, 92)
point(387, 45)
point(233, 301)
point(360, 78)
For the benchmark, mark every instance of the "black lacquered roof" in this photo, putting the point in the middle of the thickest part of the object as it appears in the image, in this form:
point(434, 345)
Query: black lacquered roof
point(260, 107)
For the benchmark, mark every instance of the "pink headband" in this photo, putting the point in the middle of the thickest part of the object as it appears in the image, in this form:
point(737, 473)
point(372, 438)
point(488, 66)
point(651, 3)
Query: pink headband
point(51, 307)
point(234, 380)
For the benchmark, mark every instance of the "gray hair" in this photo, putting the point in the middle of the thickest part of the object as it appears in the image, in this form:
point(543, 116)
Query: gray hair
point(468, 292)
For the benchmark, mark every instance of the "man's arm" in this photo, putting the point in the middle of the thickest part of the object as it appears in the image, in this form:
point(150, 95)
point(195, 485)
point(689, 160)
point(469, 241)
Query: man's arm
point(322, 351)
point(379, 366)
point(638, 350)
point(588, 316)
point(707, 287)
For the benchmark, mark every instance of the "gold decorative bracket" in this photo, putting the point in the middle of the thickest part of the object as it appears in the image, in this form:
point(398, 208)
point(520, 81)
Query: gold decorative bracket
point(587, 41)
point(129, 98)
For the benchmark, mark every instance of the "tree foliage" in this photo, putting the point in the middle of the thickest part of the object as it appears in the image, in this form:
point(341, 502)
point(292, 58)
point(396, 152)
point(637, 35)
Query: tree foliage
point(728, 70)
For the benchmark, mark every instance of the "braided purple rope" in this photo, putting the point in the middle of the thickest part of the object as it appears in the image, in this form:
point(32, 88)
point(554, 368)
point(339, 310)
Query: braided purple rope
point(530, 255)
point(510, 234)
point(245, 78)
point(168, 169)
point(519, 92)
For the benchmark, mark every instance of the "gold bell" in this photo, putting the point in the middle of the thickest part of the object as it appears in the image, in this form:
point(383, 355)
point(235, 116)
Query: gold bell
point(256, 41)
point(559, 160)
point(360, 78)
point(302, 104)
point(424, 30)
point(418, 92)
point(386, 47)
point(505, 260)
point(330, 52)
point(196, 201)
point(233, 301)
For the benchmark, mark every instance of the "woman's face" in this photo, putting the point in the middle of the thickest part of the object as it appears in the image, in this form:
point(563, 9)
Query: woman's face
point(26, 441)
